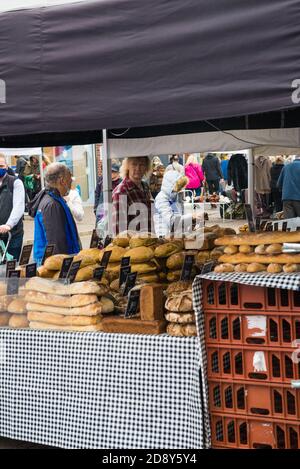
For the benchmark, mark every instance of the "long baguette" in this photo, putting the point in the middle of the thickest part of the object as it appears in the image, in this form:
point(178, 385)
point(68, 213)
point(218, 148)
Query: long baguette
point(43, 325)
point(60, 320)
point(240, 258)
point(90, 310)
point(254, 239)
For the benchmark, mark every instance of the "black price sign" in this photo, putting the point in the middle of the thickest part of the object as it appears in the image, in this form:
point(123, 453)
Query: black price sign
point(249, 216)
point(130, 283)
point(284, 226)
point(98, 273)
point(257, 224)
point(73, 271)
point(31, 270)
point(105, 259)
point(133, 303)
point(25, 254)
point(107, 241)
point(187, 268)
point(124, 272)
point(275, 226)
point(125, 261)
point(65, 267)
point(94, 240)
point(13, 282)
point(269, 226)
point(49, 250)
point(208, 267)
point(10, 265)
point(298, 228)
point(263, 225)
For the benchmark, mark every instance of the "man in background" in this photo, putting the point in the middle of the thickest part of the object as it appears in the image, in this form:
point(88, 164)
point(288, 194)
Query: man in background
point(289, 183)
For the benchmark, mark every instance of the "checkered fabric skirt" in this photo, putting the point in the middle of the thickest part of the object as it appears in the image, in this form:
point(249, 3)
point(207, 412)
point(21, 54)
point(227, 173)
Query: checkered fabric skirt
point(95, 390)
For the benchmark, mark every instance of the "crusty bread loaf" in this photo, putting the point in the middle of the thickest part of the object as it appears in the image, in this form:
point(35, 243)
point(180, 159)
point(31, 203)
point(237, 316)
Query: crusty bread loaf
point(90, 310)
point(202, 257)
point(245, 249)
point(60, 301)
point(55, 262)
point(175, 262)
point(107, 305)
point(216, 253)
point(261, 258)
point(117, 252)
point(151, 278)
point(180, 318)
point(166, 250)
point(274, 249)
point(180, 302)
point(86, 273)
point(5, 301)
point(182, 330)
point(58, 288)
point(17, 306)
point(142, 239)
point(140, 255)
point(4, 319)
point(44, 325)
point(18, 321)
point(93, 253)
point(231, 249)
point(274, 268)
point(61, 320)
point(178, 287)
point(253, 239)
point(144, 268)
point(291, 268)
point(241, 268)
point(260, 249)
point(45, 273)
point(222, 268)
point(256, 267)
point(152, 302)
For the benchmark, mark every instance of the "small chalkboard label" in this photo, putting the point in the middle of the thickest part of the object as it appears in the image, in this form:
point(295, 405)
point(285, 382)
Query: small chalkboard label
point(263, 225)
point(257, 224)
point(10, 266)
point(298, 228)
point(31, 270)
point(65, 267)
point(133, 303)
point(130, 283)
point(73, 271)
point(125, 261)
point(249, 216)
point(98, 273)
point(288, 229)
point(25, 254)
point(208, 267)
point(13, 282)
point(275, 226)
point(49, 250)
point(269, 226)
point(187, 268)
point(94, 240)
point(124, 272)
point(107, 241)
point(105, 259)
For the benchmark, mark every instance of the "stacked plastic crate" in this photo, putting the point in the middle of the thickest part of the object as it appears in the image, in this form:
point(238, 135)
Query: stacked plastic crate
point(252, 361)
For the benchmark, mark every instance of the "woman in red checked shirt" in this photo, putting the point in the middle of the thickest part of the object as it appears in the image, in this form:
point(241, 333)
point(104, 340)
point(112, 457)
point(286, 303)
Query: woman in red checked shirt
point(133, 204)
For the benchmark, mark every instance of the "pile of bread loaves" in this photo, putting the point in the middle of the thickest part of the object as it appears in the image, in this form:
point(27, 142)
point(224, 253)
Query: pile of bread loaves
point(179, 310)
point(13, 311)
point(258, 252)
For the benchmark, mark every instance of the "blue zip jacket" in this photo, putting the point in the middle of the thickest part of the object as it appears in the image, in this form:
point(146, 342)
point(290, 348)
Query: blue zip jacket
point(289, 181)
point(53, 224)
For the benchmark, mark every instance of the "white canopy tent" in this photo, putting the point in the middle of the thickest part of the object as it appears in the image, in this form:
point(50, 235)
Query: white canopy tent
point(33, 151)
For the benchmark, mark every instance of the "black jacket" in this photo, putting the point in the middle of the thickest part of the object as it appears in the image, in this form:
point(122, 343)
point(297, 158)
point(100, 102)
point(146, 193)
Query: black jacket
point(238, 172)
point(212, 168)
point(275, 173)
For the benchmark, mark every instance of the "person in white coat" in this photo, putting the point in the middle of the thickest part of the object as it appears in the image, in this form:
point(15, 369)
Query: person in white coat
point(169, 210)
point(74, 202)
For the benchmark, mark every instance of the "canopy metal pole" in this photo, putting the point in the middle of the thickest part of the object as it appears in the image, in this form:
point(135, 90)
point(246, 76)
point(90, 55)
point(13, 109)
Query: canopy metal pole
point(41, 169)
point(251, 197)
point(107, 183)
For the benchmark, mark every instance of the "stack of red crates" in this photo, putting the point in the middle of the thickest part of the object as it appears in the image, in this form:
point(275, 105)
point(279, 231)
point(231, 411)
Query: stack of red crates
point(252, 360)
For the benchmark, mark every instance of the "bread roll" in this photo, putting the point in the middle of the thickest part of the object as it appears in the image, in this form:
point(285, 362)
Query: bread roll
point(73, 301)
point(241, 268)
point(45, 273)
point(61, 320)
point(5, 301)
point(176, 261)
point(254, 239)
point(245, 249)
point(142, 239)
point(256, 267)
point(274, 268)
point(178, 287)
point(42, 325)
point(17, 306)
point(18, 321)
point(182, 330)
point(55, 262)
point(144, 268)
point(262, 259)
point(180, 318)
point(231, 249)
point(140, 255)
point(224, 268)
point(182, 302)
point(202, 257)
point(123, 238)
point(107, 305)
point(260, 249)
point(274, 249)
point(4, 319)
point(93, 253)
point(86, 273)
point(166, 250)
point(291, 268)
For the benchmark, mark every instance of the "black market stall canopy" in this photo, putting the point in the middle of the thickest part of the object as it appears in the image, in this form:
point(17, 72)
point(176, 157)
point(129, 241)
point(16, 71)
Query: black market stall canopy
point(68, 71)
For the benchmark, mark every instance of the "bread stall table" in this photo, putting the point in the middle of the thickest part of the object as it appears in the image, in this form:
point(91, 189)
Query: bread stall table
point(100, 390)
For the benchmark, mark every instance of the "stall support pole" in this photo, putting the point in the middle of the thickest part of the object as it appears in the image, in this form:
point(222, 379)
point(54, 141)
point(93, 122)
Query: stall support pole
point(41, 169)
point(107, 184)
point(251, 179)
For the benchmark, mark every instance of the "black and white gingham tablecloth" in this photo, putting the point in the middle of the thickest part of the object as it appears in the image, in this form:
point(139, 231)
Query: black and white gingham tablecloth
point(96, 390)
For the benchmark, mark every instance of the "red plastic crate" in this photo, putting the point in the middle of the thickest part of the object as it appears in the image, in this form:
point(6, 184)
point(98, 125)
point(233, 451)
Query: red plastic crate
point(250, 433)
point(252, 328)
point(252, 364)
point(228, 295)
point(254, 399)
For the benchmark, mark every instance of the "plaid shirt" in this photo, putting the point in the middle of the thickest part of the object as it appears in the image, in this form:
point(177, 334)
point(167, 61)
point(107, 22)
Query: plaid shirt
point(124, 213)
